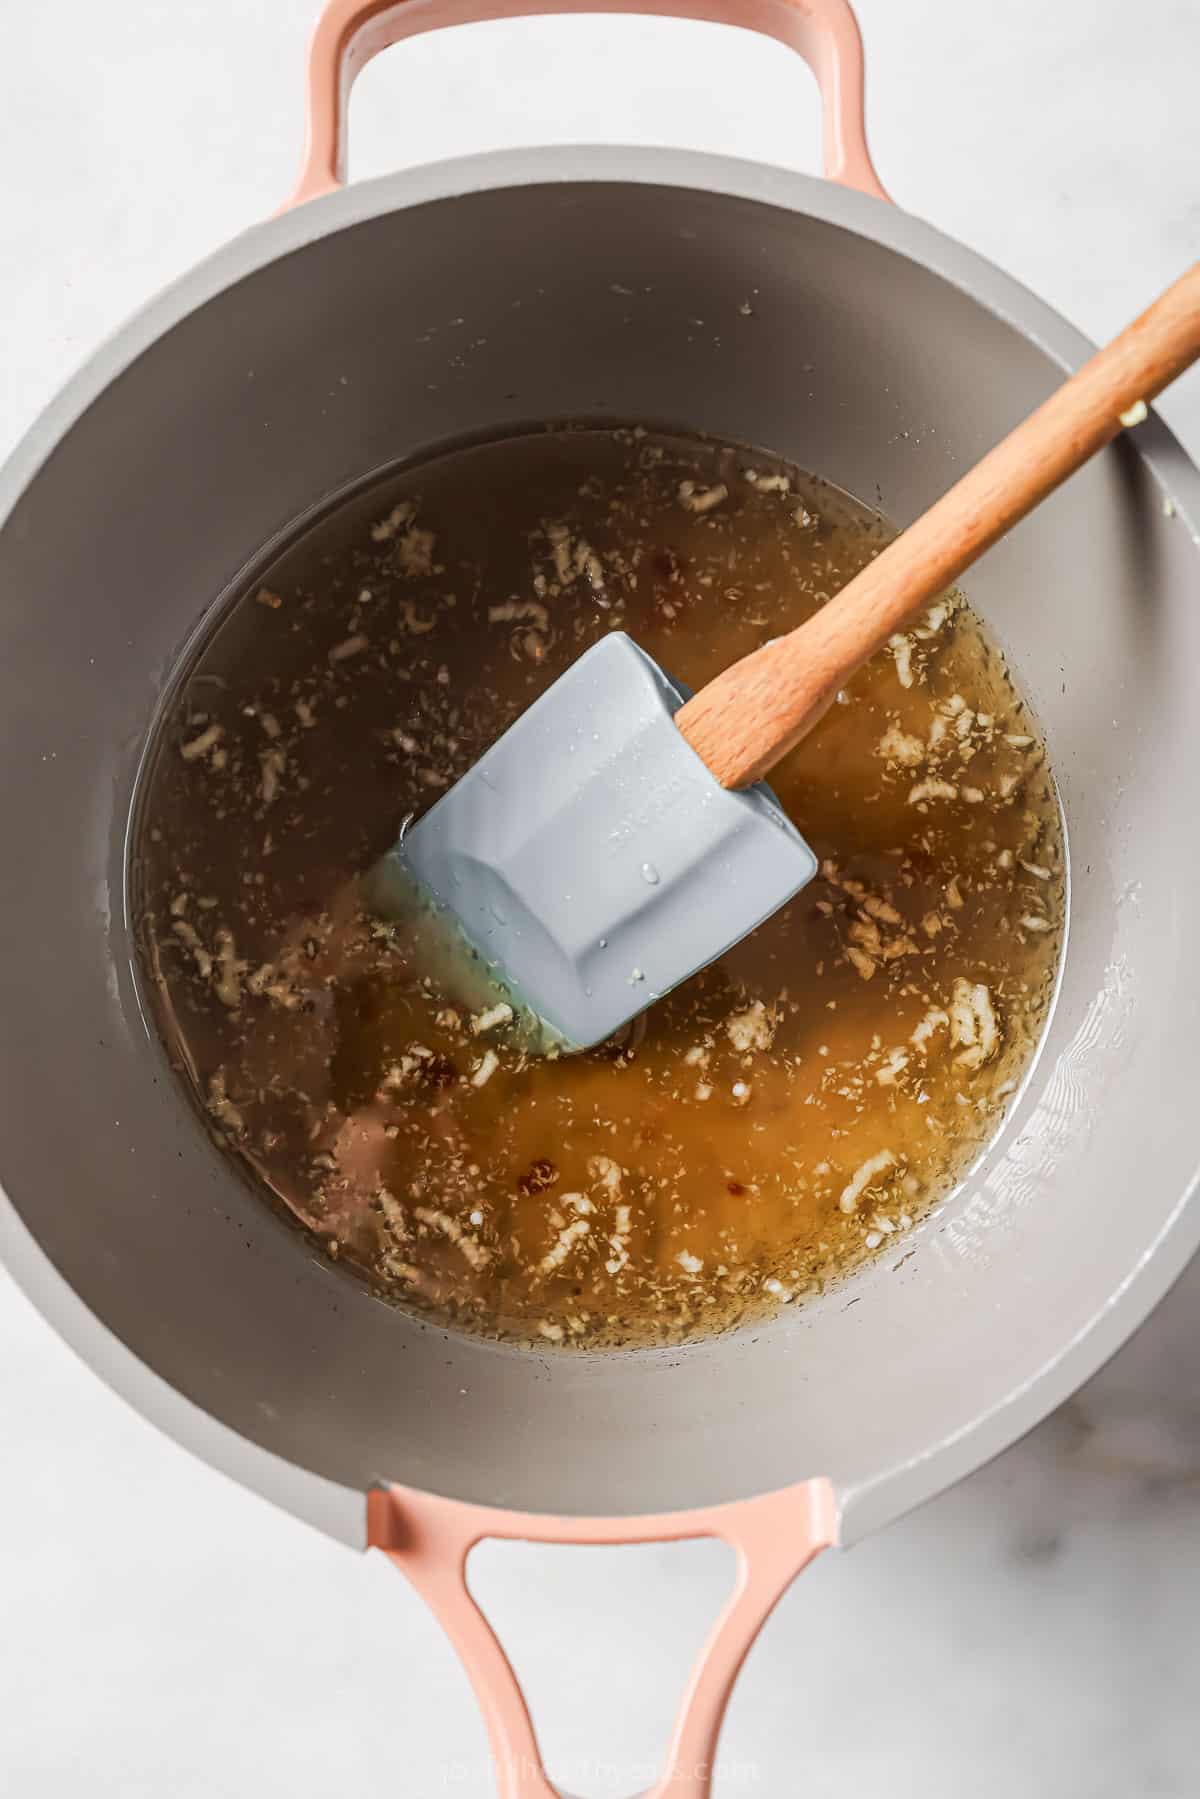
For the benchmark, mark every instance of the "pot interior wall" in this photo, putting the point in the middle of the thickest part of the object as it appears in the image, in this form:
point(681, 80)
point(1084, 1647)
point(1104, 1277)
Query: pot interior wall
point(467, 314)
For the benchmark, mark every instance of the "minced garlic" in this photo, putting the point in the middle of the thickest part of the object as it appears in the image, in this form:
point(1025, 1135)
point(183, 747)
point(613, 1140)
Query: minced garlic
point(751, 1029)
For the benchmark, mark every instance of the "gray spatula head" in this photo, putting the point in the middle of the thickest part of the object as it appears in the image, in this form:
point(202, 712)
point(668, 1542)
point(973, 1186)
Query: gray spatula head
point(590, 859)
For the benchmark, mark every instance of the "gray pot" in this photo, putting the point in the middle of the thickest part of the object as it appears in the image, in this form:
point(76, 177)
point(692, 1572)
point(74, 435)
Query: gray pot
point(467, 298)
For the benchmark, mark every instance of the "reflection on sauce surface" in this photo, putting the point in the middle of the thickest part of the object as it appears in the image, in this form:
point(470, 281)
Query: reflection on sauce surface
point(793, 1109)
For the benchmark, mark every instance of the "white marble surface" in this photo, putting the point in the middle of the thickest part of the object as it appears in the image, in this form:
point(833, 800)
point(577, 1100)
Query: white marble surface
point(1035, 1632)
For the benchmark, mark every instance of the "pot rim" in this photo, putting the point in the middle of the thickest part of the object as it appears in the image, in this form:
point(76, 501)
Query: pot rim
point(340, 1510)
point(768, 184)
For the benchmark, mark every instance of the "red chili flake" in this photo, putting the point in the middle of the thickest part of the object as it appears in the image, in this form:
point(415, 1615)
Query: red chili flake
point(734, 1187)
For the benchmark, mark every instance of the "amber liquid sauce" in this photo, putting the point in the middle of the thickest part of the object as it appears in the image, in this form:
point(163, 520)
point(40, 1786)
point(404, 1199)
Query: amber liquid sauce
point(793, 1110)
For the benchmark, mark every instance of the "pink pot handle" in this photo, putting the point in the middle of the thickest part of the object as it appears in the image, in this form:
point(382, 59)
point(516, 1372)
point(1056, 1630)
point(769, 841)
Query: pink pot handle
point(775, 1536)
point(350, 32)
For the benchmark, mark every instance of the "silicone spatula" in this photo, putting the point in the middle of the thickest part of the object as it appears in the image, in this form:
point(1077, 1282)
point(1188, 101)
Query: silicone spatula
point(619, 836)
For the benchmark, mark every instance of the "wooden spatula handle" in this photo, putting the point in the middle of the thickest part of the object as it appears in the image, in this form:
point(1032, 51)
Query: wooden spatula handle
point(753, 713)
